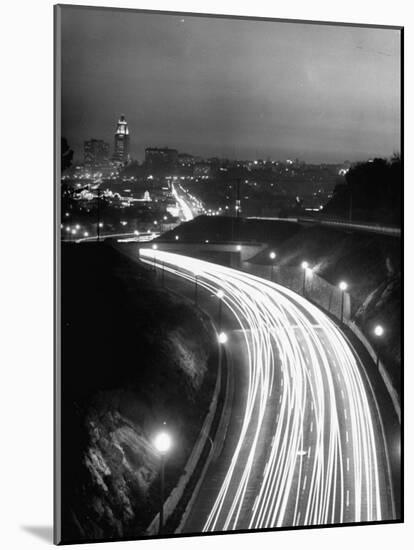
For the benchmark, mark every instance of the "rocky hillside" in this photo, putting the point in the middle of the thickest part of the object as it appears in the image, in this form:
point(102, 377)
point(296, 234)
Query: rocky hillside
point(134, 359)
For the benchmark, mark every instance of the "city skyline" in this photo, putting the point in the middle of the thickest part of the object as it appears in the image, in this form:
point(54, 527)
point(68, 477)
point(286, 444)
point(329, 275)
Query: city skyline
point(225, 87)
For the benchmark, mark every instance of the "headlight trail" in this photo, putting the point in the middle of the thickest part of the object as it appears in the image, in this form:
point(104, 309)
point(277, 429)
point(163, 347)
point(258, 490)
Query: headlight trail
point(304, 382)
point(185, 209)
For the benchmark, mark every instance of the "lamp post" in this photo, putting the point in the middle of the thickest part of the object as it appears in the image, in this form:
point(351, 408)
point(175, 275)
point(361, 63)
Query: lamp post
point(272, 256)
point(378, 331)
point(342, 286)
point(162, 443)
point(220, 295)
point(196, 274)
point(305, 267)
point(98, 225)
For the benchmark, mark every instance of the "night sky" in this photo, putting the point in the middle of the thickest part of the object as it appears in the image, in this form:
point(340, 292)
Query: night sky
point(235, 88)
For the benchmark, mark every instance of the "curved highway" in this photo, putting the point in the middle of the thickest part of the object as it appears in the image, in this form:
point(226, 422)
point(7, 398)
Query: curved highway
point(304, 444)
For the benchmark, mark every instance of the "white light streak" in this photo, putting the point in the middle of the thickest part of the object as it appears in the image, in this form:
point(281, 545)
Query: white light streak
point(287, 338)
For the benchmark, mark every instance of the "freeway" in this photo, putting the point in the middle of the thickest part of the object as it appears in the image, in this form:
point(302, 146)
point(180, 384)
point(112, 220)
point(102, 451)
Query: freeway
point(304, 443)
point(189, 205)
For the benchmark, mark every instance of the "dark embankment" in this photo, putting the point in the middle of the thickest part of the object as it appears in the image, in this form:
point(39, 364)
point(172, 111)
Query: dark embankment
point(224, 228)
point(133, 357)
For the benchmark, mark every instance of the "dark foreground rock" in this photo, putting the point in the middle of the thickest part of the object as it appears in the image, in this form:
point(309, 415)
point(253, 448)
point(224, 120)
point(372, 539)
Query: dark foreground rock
point(134, 359)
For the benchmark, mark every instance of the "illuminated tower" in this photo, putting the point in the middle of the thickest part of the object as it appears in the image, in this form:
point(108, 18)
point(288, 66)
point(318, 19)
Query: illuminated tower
point(121, 143)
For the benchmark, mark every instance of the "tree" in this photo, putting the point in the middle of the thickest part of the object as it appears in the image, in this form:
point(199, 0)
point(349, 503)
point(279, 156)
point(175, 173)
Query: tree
point(66, 154)
point(372, 191)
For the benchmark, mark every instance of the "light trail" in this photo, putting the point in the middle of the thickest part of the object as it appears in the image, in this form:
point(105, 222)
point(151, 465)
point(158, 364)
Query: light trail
point(321, 462)
point(185, 209)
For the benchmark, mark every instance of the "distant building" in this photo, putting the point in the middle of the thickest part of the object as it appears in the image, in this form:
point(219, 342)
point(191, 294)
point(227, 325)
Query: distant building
point(121, 142)
point(186, 160)
point(160, 159)
point(95, 152)
point(202, 170)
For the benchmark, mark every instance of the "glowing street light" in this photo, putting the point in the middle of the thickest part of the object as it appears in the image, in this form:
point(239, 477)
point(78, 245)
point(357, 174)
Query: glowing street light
point(220, 296)
point(222, 338)
point(342, 287)
point(177, 237)
point(238, 247)
point(162, 443)
point(272, 256)
point(378, 332)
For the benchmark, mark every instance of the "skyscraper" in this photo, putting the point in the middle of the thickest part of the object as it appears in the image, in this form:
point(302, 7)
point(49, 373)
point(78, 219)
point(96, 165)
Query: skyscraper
point(121, 143)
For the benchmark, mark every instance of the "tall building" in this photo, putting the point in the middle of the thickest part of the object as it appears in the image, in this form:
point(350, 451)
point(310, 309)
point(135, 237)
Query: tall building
point(95, 151)
point(121, 143)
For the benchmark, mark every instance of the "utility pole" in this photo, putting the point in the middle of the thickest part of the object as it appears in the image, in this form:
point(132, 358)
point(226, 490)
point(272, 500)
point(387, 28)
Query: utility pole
point(238, 205)
point(161, 524)
point(98, 229)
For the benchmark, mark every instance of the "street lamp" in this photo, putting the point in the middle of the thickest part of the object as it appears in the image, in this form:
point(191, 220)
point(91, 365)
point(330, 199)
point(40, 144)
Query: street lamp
point(272, 257)
point(162, 443)
point(220, 296)
point(342, 287)
point(222, 338)
point(305, 267)
point(238, 247)
point(196, 274)
point(378, 331)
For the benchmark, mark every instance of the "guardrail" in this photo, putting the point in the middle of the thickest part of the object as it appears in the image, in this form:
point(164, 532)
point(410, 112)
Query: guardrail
point(369, 227)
